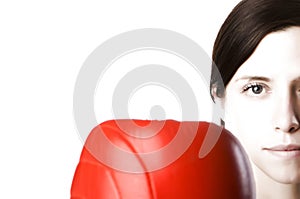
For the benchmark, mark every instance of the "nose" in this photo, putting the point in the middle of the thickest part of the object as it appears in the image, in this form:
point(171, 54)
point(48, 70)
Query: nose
point(286, 114)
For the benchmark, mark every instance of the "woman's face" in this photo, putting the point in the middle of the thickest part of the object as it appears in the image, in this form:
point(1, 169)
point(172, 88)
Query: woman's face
point(262, 105)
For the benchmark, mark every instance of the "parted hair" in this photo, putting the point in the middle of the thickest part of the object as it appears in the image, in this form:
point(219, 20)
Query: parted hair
point(247, 24)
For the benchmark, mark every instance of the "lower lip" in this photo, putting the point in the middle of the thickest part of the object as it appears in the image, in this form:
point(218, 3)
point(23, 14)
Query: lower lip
point(285, 154)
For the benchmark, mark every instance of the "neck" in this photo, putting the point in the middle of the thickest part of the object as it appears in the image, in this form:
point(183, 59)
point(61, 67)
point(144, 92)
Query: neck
point(267, 188)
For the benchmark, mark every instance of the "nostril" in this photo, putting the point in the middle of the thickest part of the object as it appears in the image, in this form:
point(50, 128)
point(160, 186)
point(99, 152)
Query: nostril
point(293, 129)
point(287, 126)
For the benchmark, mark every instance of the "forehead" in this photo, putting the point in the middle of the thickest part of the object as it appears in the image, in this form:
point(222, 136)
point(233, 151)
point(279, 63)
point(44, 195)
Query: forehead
point(277, 53)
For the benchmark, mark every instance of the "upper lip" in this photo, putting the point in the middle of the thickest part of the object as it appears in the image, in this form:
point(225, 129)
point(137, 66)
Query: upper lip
point(290, 147)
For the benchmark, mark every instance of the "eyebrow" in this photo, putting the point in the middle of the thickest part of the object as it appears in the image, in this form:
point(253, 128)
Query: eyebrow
point(254, 78)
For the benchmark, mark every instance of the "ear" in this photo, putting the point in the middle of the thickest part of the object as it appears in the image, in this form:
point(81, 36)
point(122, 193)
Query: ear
point(219, 105)
point(217, 97)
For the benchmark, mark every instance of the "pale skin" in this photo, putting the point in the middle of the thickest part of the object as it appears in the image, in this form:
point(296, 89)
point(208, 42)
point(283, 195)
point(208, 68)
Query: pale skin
point(262, 109)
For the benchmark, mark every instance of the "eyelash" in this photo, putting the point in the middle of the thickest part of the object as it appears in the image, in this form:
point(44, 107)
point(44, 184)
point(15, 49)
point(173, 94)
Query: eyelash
point(253, 85)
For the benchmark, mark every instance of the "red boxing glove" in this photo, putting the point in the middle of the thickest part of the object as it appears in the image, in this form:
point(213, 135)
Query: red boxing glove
point(138, 159)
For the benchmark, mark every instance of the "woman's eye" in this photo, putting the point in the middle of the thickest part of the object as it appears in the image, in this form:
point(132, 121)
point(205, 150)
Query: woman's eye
point(257, 89)
point(298, 91)
point(254, 89)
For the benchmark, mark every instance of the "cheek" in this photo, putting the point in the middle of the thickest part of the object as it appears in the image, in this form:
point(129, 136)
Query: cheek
point(247, 121)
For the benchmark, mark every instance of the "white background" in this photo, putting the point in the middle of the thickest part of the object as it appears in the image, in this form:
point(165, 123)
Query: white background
point(42, 48)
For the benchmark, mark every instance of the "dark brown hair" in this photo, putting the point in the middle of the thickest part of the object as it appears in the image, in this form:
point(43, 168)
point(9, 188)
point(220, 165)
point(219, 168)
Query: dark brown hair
point(247, 24)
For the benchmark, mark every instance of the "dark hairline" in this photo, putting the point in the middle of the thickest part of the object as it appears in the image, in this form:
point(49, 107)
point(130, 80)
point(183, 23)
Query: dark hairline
point(228, 41)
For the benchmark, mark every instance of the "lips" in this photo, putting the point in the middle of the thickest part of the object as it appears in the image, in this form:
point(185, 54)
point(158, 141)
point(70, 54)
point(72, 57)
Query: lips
point(284, 148)
point(284, 151)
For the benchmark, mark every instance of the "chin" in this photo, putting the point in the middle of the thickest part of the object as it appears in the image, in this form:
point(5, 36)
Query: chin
point(287, 178)
point(291, 180)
